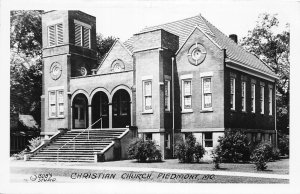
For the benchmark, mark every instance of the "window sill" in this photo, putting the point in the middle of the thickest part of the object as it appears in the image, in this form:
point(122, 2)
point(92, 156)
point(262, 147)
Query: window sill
point(50, 118)
point(187, 111)
point(206, 110)
point(147, 112)
point(233, 110)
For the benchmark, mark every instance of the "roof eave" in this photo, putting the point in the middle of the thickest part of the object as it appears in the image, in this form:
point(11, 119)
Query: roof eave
point(250, 70)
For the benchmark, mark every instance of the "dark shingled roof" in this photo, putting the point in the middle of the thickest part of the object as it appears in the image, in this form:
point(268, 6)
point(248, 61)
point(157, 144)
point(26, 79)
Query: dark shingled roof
point(183, 28)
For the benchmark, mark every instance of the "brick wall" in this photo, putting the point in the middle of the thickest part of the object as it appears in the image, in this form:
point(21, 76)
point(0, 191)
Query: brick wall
point(248, 120)
point(213, 63)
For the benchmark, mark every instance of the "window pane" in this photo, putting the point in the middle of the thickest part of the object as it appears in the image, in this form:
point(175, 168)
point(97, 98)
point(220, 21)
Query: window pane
point(148, 136)
point(207, 101)
point(148, 103)
point(52, 97)
point(60, 97)
point(231, 100)
point(148, 88)
point(187, 102)
point(52, 110)
point(61, 109)
point(231, 86)
point(187, 87)
point(207, 85)
point(208, 144)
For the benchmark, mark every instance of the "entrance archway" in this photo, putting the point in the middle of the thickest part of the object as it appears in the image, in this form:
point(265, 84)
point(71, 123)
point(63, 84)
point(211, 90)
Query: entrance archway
point(121, 113)
point(80, 112)
point(100, 110)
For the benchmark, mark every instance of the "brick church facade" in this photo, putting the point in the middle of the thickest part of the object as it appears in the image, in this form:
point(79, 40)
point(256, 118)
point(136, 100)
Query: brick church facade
point(183, 77)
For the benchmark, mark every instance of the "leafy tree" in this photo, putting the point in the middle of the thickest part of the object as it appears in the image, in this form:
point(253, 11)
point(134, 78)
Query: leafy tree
point(25, 62)
point(273, 49)
point(103, 46)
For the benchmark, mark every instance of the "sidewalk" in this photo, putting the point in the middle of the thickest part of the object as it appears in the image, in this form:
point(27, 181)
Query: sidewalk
point(96, 167)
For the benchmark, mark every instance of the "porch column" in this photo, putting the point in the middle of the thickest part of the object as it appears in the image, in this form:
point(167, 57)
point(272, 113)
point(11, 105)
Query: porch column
point(71, 120)
point(110, 113)
point(90, 114)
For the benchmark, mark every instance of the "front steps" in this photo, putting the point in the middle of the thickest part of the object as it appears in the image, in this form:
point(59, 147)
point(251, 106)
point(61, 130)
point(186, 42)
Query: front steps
point(82, 148)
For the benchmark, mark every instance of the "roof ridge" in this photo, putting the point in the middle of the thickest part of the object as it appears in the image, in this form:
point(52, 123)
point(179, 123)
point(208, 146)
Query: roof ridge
point(169, 22)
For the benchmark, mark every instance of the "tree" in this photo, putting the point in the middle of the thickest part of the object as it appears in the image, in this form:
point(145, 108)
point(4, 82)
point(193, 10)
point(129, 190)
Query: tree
point(26, 63)
point(273, 49)
point(103, 46)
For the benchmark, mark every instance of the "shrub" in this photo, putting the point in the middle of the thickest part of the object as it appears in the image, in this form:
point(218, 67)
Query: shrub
point(189, 151)
point(261, 155)
point(216, 159)
point(275, 154)
point(144, 151)
point(34, 143)
point(19, 156)
point(283, 145)
point(233, 147)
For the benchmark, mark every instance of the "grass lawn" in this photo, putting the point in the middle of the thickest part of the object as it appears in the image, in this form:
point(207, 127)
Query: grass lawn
point(278, 167)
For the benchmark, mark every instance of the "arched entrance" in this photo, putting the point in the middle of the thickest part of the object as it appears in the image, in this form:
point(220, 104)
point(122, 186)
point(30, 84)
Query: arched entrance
point(100, 110)
point(121, 114)
point(80, 112)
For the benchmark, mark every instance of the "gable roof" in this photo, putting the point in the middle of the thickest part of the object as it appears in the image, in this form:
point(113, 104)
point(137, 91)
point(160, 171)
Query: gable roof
point(183, 29)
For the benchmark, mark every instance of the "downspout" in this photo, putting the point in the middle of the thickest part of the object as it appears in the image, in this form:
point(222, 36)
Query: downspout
point(276, 134)
point(173, 111)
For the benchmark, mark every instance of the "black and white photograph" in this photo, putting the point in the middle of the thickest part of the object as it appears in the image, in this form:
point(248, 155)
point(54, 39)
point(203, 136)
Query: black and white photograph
point(149, 96)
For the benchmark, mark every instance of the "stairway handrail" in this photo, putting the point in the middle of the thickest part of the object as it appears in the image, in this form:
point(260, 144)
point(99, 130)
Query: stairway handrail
point(79, 135)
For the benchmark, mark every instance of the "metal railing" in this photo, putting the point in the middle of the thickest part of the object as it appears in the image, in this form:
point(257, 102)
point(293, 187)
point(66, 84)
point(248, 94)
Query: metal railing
point(74, 144)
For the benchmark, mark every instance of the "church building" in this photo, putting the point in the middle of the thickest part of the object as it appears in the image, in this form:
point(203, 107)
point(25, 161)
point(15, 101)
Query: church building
point(167, 80)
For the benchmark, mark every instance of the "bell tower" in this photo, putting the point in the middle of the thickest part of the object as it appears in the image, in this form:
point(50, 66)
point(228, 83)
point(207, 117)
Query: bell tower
point(69, 50)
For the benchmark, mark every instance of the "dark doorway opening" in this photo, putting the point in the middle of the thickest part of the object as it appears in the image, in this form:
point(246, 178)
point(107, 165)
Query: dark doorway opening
point(100, 110)
point(121, 109)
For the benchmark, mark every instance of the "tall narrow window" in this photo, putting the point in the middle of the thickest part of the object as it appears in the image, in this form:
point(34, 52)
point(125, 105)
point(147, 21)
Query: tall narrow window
point(147, 91)
point(232, 93)
point(262, 101)
point(56, 103)
point(55, 34)
point(244, 96)
point(82, 34)
point(187, 94)
point(60, 100)
point(206, 93)
point(167, 95)
point(52, 104)
point(253, 98)
point(270, 100)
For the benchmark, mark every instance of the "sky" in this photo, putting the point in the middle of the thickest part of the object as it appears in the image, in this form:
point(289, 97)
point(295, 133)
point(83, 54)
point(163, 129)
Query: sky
point(123, 19)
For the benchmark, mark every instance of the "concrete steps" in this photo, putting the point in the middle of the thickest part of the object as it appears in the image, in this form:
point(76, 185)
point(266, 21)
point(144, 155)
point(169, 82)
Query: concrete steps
point(62, 148)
